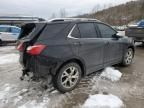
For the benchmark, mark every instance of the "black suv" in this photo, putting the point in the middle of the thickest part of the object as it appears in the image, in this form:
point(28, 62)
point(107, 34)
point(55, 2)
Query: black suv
point(62, 51)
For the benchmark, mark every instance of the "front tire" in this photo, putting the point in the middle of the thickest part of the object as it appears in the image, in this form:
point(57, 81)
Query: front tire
point(128, 57)
point(68, 77)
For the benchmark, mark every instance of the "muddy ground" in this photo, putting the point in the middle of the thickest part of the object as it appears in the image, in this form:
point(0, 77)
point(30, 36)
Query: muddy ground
point(19, 94)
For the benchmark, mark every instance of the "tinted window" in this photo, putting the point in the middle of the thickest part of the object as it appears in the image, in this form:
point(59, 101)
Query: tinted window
point(15, 30)
point(106, 31)
point(75, 33)
point(26, 30)
point(53, 30)
point(4, 29)
point(87, 30)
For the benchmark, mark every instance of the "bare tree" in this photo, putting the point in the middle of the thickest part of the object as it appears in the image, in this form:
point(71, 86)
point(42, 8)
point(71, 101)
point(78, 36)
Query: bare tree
point(53, 16)
point(96, 8)
point(63, 13)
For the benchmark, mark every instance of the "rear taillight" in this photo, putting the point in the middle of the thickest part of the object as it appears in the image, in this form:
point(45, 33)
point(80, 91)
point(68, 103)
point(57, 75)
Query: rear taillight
point(20, 46)
point(35, 49)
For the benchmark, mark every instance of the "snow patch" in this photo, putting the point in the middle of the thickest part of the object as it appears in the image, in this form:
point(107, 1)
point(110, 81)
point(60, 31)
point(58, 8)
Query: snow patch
point(7, 48)
point(6, 88)
point(103, 101)
point(34, 104)
point(21, 92)
point(9, 58)
point(17, 99)
point(2, 95)
point(111, 74)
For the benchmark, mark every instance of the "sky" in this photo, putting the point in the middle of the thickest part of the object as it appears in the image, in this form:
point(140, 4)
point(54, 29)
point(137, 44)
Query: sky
point(48, 8)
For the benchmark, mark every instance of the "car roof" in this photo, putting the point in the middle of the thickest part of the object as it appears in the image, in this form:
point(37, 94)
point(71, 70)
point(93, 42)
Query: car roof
point(73, 20)
point(64, 20)
point(9, 26)
point(68, 20)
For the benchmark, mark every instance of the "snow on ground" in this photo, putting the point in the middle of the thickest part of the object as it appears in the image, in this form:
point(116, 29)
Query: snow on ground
point(13, 96)
point(5, 94)
point(111, 74)
point(9, 58)
point(102, 97)
point(7, 48)
point(5, 91)
point(8, 94)
point(103, 101)
point(34, 104)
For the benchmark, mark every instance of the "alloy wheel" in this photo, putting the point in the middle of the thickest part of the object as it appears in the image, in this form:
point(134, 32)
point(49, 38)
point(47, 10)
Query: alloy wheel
point(129, 56)
point(70, 77)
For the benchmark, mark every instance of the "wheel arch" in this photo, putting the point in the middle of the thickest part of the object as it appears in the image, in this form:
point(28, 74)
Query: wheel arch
point(75, 60)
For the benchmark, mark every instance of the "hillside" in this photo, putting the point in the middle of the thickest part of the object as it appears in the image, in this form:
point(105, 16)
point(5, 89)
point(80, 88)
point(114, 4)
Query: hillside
point(121, 14)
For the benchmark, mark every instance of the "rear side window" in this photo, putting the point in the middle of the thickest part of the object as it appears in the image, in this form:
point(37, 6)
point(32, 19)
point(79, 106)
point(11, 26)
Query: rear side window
point(4, 29)
point(75, 33)
point(52, 30)
point(106, 31)
point(87, 30)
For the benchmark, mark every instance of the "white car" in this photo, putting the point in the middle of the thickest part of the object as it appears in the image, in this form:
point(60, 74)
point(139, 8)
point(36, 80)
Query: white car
point(9, 33)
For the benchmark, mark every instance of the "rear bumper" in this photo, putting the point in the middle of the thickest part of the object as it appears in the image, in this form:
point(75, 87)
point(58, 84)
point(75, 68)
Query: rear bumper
point(41, 66)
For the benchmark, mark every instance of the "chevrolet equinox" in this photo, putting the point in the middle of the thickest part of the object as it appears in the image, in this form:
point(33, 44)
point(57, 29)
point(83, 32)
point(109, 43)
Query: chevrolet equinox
point(65, 50)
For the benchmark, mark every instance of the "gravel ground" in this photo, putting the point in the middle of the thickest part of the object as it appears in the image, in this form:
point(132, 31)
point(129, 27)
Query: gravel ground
point(22, 94)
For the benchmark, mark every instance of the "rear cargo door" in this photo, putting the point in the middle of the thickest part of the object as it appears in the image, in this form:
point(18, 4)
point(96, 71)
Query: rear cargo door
point(31, 30)
point(29, 34)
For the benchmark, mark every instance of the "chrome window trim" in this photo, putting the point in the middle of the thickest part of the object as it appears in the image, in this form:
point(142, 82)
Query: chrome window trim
point(69, 35)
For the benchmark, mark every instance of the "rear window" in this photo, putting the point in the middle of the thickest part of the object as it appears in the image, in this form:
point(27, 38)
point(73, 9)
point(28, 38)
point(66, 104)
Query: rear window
point(26, 30)
point(53, 30)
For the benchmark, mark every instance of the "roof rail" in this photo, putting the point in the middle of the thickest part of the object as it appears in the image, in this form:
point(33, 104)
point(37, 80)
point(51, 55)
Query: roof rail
point(72, 19)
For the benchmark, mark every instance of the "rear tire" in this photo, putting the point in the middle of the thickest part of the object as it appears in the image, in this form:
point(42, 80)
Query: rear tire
point(67, 77)
point(128, 57)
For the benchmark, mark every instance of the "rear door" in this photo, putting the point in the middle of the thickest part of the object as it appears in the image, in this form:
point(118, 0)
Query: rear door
point(113, 47)
point(91, 46)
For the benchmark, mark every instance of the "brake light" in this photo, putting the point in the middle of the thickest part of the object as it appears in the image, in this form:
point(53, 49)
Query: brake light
point(35, 50)
point(20, 47)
